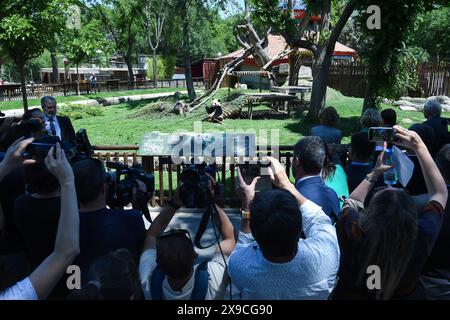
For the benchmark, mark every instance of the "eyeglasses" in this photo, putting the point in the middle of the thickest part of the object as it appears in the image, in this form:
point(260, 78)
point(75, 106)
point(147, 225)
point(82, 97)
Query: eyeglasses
point(173, 233)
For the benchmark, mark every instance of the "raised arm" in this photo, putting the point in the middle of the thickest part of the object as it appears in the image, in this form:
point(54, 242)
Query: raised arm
point(161, 222)
point(361, 191)
point(281, 180)
point(437, 189)
point(229, 241)
point(50, 271)
point(12, 160)
point(246, 193)
point(13, 157)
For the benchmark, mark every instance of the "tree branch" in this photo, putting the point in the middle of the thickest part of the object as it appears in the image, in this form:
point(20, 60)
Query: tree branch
point(346, 13)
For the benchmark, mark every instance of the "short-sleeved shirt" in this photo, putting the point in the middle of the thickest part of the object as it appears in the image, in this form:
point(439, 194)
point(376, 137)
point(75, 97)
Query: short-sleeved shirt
point(351, 242)
point(22, 290)
point(311, 274)
point(217, 279)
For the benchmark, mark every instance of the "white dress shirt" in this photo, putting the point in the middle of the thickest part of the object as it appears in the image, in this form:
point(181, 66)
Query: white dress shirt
point(311, 274)
point(47, 126)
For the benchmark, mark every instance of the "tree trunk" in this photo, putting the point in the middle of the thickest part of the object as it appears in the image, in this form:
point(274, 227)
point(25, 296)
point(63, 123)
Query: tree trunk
point(319, 88)
point(23, 86)
point(187, 52)
point(155, 70)
point(129, 62)
point(370, 94)
point(295, 62)
point(78, 82)
point(55, 70)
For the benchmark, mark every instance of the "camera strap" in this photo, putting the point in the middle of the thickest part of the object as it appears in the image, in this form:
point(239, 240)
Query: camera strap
point(210, 210)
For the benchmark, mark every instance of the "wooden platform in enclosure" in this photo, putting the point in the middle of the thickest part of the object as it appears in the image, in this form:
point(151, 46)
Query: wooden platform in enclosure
point(280, 105)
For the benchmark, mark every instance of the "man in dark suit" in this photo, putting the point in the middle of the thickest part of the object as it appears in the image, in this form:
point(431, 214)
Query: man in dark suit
point(432, 112)
point(56, 125)
point(309, 158)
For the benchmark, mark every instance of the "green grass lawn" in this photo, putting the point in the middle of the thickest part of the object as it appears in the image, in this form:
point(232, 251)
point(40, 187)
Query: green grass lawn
point(123, 125)
point(10, 105)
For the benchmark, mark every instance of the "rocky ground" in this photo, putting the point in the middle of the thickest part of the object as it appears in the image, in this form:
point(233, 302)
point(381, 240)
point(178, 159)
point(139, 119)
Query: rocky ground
point(416, 104)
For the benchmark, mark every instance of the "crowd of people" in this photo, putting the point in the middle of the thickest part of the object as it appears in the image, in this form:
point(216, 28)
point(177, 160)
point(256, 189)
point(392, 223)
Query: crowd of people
point(317, 238)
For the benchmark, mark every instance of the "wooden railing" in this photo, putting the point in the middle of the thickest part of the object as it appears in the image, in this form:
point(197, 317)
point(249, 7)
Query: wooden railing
point(167, 174)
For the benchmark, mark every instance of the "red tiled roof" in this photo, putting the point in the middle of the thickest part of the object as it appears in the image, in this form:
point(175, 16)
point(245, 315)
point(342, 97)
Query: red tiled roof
point(277, 45)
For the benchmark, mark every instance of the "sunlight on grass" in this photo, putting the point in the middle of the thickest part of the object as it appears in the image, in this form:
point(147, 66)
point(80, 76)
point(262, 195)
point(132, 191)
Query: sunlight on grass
point(118, 126)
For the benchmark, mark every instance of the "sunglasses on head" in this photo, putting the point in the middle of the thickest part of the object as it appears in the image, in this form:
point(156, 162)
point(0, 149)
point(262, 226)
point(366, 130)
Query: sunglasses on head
point(174, 233)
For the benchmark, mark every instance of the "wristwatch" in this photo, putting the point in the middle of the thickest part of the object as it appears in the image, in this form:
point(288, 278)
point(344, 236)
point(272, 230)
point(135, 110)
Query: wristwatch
point(245, 214)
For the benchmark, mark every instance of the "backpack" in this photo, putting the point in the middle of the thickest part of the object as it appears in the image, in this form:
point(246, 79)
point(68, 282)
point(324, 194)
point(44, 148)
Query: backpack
point(200, 282)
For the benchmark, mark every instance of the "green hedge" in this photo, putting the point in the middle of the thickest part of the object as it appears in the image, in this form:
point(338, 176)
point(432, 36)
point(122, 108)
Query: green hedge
point(81, 111)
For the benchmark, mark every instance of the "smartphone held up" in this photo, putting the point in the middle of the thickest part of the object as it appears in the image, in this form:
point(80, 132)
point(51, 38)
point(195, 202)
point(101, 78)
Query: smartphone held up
point(381, 134)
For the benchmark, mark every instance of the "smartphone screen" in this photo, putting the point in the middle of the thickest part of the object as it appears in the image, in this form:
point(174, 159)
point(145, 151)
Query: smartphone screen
point(250, 171)
point(379, 134)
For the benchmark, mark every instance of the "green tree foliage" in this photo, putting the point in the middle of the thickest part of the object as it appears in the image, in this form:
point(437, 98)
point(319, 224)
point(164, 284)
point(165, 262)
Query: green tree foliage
point(391, 64)
point(29, 27)
point(210, 33)
point(432, 33)
point(165, 67)
point(119, 19)
point(81, 45)
point(320, 39)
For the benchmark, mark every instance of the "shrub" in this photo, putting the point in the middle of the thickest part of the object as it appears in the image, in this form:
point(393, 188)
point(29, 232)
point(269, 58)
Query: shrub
point(81, 111)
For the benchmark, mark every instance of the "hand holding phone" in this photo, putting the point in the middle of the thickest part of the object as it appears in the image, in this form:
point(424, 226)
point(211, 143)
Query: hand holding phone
point(38, 150)
point(381, 134)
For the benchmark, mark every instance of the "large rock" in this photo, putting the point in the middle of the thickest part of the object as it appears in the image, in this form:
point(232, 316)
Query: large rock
point(414, 100)
point(403, 103)
point(407, 108)
point(417, 104)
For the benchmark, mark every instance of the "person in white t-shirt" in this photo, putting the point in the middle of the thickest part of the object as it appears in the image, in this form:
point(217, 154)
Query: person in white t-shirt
point(167, 264)
point(270, 260)
point(45, 277)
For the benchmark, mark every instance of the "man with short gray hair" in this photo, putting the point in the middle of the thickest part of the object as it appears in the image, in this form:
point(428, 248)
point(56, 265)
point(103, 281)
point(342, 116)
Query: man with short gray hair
point(56, 125)
point(432, 111)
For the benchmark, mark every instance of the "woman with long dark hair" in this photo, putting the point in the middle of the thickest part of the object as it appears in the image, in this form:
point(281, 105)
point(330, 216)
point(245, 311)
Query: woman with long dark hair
point(385, 246)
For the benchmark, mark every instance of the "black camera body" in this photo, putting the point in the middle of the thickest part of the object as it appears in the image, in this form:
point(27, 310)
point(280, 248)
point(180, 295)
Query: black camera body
point(83, 146)
point(194, 187)
point(74, 150)
point(121, 183)
point(26, 128)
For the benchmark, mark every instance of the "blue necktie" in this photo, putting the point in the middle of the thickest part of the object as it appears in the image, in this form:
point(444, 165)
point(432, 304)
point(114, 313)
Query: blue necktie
point(52, 126)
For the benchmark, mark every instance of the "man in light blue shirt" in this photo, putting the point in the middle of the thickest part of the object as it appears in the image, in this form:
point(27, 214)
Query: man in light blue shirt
point(270, 260)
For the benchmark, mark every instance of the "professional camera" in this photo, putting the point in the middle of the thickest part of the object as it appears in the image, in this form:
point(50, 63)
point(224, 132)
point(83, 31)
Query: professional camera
point(40, 147)
point(194, 193)
point(121, 183)
point(83, 146)
point(25, 128)
point(194, 187)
